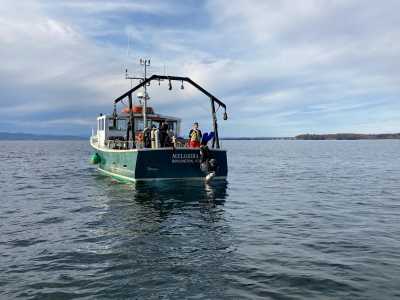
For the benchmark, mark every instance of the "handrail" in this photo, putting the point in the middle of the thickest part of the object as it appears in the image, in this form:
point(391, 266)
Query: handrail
point(123, 145)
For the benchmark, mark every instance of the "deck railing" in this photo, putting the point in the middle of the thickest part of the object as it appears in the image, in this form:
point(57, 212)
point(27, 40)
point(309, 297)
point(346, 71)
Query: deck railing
point(124, 145)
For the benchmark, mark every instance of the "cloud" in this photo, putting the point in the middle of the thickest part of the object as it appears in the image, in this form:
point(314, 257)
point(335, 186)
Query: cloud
point(282, 67)
point(116, 6)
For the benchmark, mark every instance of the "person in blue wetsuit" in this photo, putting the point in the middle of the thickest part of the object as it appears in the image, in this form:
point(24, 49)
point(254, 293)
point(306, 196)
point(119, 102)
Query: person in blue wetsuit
point(207, 137)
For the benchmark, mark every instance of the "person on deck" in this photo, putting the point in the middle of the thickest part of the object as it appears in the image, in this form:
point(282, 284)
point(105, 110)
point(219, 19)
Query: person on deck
point(163, 134)
point(195, 136)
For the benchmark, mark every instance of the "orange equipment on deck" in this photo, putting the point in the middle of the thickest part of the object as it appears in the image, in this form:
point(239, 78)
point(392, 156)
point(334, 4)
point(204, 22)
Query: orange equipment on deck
point(138, 109)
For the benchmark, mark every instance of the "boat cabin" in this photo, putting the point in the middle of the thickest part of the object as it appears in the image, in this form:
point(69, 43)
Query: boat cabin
point(138, 126)
point(112, 129)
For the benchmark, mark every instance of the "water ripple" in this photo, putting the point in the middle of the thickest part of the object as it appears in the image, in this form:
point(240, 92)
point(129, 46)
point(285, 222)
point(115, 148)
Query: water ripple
point(296, 220)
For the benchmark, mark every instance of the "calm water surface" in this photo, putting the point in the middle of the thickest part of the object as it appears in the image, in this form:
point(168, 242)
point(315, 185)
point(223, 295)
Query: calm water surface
point(295, 220)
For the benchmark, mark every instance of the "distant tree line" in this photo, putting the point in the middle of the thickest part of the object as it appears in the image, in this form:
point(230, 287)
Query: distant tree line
point(348, 136)
point(256, 138)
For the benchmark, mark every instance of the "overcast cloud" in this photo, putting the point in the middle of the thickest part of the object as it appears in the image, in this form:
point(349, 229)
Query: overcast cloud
point(282, 67)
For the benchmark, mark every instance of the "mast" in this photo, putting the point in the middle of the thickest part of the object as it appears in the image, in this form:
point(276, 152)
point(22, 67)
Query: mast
point(145, 63)
point(131, 124)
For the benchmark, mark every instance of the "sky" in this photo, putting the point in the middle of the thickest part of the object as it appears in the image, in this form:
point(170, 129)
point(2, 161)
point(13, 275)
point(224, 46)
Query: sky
point(282, 67)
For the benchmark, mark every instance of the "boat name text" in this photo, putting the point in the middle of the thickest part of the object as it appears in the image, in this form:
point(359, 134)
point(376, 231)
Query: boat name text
point(185, 158)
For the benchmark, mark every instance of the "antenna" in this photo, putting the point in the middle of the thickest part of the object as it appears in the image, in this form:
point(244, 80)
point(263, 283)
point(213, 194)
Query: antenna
point(133, 77)
point(146, 63)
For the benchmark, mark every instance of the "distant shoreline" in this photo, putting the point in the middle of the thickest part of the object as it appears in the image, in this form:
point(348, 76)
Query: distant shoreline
point(255, 138)
point(7, 136)
point(348, 136)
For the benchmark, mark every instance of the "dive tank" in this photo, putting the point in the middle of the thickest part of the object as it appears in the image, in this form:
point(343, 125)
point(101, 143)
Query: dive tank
point(152, 137)
point(155, 139)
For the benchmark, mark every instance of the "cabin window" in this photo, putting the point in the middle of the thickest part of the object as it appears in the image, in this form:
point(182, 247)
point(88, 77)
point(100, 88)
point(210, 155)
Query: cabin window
point(111, 124)
point(101, 124)
point(122, 124)
point(171, 126)
point(155, 123)
point(139, 124)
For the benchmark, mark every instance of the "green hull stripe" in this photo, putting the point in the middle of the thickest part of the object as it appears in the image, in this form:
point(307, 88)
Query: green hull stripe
point(117, 176)
point(125, 178)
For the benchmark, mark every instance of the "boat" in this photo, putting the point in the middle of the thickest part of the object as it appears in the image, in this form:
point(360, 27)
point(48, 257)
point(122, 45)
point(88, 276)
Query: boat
point(130, 145)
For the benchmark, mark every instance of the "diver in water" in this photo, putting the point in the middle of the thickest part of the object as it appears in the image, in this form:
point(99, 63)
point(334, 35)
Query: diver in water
point(195, 136)
point(208, 163)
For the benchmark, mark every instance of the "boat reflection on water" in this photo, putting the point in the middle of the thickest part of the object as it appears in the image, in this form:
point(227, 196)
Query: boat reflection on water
point(183, 191)
point(168, 234)
point(145, 198)
point(167, 197)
